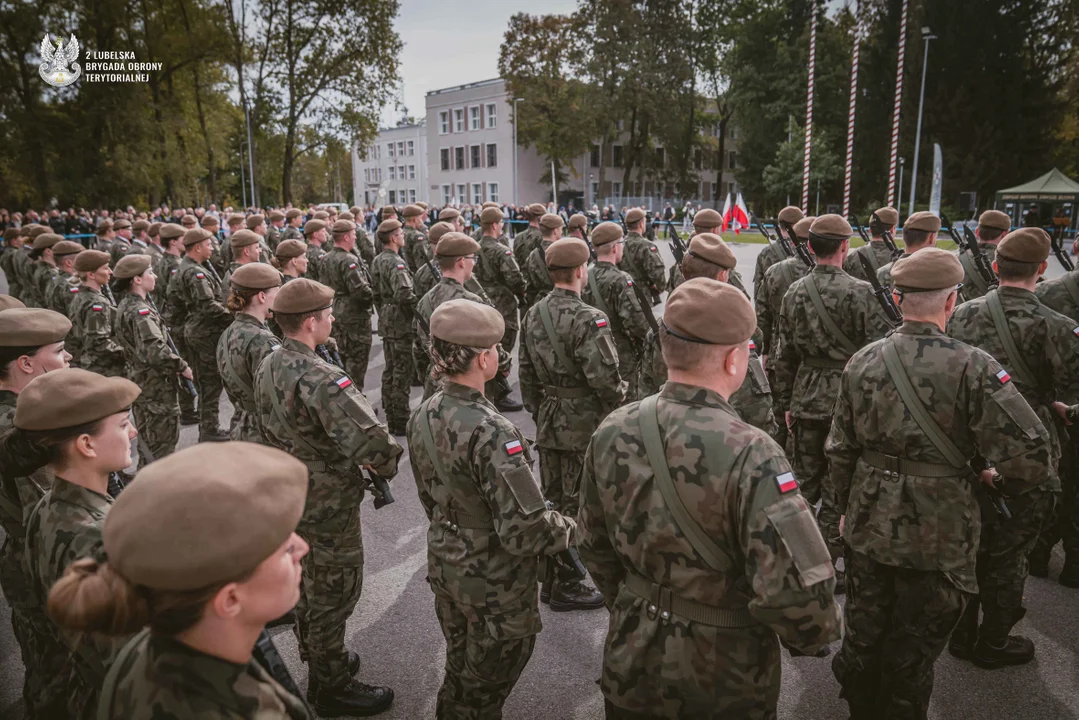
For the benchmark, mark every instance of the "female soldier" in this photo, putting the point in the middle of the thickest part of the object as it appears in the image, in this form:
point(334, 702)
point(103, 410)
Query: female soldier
point(246, 342)
point(150, 362)
point(76, 423)
point(291, 259)
point(205, 602)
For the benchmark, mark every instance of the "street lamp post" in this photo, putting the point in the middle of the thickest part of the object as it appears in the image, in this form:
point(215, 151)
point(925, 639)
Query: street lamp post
point(516, 199)
point(927, 35)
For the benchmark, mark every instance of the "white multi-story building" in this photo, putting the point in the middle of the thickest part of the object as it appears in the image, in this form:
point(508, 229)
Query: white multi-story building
point(395, 162)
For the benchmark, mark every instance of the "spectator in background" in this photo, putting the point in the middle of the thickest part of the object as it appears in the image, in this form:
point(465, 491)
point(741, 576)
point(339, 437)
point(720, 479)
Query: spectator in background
point(687, 217)
point(668, 216)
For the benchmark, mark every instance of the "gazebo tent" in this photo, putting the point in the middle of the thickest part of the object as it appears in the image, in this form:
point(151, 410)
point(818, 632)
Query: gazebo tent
point(1054, 189)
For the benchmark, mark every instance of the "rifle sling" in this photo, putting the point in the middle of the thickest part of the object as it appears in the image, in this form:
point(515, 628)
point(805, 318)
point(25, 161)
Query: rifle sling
point(548, 325)
point(480, 515)
point(108, 687)
point(594, 287)
point(871, 256)
point(1071, 284)
point(278, 411)
point(972, 272)
point(1014, 357)
point(845, 343)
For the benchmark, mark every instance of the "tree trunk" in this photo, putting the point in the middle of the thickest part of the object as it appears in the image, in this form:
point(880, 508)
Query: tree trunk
point(724, 118)
point(211, 170)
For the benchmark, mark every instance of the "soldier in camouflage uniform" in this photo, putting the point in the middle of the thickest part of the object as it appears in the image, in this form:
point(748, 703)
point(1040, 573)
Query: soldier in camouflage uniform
point(25, 265)
point(31, 344)
point(641, 257)
point(452, 217)
point(992, 226)
point(274, 230)
point(693, 623)
point(66, 524)
point(43, 270)
point(13, 246)
point(93, 310)
point(313, 411)
point(415, 237)
point(121, 244)
point(912, 522)
point(222, 258)
point(569, 382)
point(876, 251)
point(392, 285)
point(195, 299)
point(825, 318)
point(428, 275)
point(919, 232)
point(500, 275)
point(535, 267)
point(489, 524)
point(768, 294)
point(315, 235)
point(66, 283)
point(290, 258)
point(245, 249)
point(530, 238)
point(172, 245)
point(1041, 350)
point(143, 244)
point(105, 236)
point(293, 225)
point(705, 221)
point(353, 300)
point(773, 253)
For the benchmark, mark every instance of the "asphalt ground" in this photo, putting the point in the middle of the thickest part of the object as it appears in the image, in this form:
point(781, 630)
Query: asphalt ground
point(395, 631)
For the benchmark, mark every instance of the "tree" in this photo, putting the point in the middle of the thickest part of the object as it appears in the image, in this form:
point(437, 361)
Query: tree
point(784, 175)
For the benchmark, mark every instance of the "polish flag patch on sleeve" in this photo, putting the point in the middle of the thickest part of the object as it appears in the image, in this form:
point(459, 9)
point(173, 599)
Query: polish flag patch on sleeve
point(786, 482)
point(1003, 376)
point(352, 266)
point(144, 311)
point(74, 289)
point(343, 382)
point(1076, 330)
point(97, 308)
point(601, 322)
point(200, 276)
point(752, 345)
point(400, 266)
point(514, 447)
point(508, 252)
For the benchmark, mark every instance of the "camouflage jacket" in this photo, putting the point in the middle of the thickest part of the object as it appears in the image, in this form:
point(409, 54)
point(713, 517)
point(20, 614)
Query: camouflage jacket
point(290, 233)
point(766, 258)
point(537, 275)
point(641, 259)
point(500, 275)
point(974, 286)
point(392, 285)
point(876, 251)
point(884, 274)
point(676, 278)
point(424, 279)
point(120, 247)
point(365, 248)
point(63, 288)
point(446, 289)
point(351, 282)
point(768, 298)
point(92, 317)
point(315, 254)
point(738, 486)
point(195, 297)
point(150, 363)
point(273, 236)
point(7, 264)
point(240, 351)
point(572, 397)
point(163, 679)
point(488, 478)
point(138, 247)
point(903, 519)
point(810, 361)
point(22, 266)
point(1061, 294)
point(524, 243)
point(43, 275)
point(415, 243)
point(168, 267)
point(615, 297)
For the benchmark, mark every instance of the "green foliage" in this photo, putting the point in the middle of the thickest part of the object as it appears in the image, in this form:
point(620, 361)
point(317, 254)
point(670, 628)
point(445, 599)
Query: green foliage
point(783, 177)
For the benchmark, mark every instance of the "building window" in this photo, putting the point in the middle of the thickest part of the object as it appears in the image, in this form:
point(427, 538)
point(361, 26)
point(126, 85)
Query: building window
point(730, 132)
point(459, 120)
point(393, 197)
point(474, 117)
point(477, 193)
point(492, 115)
point(400, 172)
point(447, 194)
point(412, 196)
point(444, 122)
point(393, 172)
point(492, 188)
point(616, 188)
point(697, 159)
point(444, 153)
point(411, 172)
point(492, 155)
point(459, 156)
point(389, 150)
point(378, 152)
point(595, 190)
point(400, 148)
point(732, 160)
point(661, 157)
point(617, 159)
point(712, 190)
point(476, 158)
point(366, 175)
point(462, 193)
point(593, 160)
point(730, 188)
point(411, 148)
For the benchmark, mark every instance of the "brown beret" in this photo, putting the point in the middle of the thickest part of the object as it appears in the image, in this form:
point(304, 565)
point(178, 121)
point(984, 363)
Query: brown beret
point(196, 235)
point(11, 233)
point(293, 212)
point(448, 214)
point(46, 240)
point(237, 219)
point(605, 233)
point(412, 211)
point(32, 327)
point(387, 227)
point(302, 296)
point(801, 228)
point(455, 244)
point(313, 226)
point(578, 220)
point(422, 205)
point(154, 229)
point(140, 225)
point(634, 215)
point(69, 397)
point(189, 221)
point(490, 216)
point(995, 219)
point(693, 307)
point(566, 253)
point(888, 215)
point(132, 265)
point(492, 203)
point(36, 230)
point(468, 323)
point(922, 221)
point(551, 221)
point(831, 227)
point(707, 218)
point(790, 215)
point(168, 231)
point(244, 238)
point(255, 276)
point(347, 215)
point(437, 231)
point(66, 247)
point(711, 247)
point(288, 249)
point(320, 215)
point(930, 268)
point(276, 215)
point(389, 210)
point(155, 534)
point(9, 303)
point(253, 221)
point(356, 210)
point(536, 210)
point(210, 220)
point(343, 227)
point(121, 224)
point(1029, 245)
point(90, 260)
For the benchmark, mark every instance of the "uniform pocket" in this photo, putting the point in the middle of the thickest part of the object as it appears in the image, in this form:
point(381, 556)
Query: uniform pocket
point(1019, 410)
point(525, 489)
point(795, 526)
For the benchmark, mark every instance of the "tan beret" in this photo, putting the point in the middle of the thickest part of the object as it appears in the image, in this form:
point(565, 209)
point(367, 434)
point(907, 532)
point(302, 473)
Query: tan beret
point(156, 532)
point(492, 203)
point(790, 215)
point(9, 303)
point(32, 327)
point(67, 247)
point(313, 226)
point(694, 306)
point(255, 276)
point(140, 225)
point(69, 397)
point(121, 224)
point(189, 221)
point(132, 266)
point(468, 323)
point(196, 235)
point(707, 218)
point(711, 247)
point(346, 215)
point(578, 221)
point(168, 231)
point(46, 240)
point(412, 211)
point(923, 220)
point(389, 210)
point(237, 219)
point(490, 216)
point(455, 244)
point(634, 215)
point(293, 212)
point(387, 227)
point(356, 210)
point(1029, 245)
point(536, 210)
point(209, 221)
point(90, 260)
point(448, 214)
point(302, 296)
point(605, 233)
point(551, 221)
point(343, 227)
point(437, 231)
point(801, 228)
point(288, 249)
point(244, 238)
point(930, 268)
point(995, 219)
point(567, 253)
point(154, 229)
point(888, 215)
point(276, 215)
point(36, 230)
point(831, 227)
point(11, 233)
point(422, 205)
point(320, 215)
point(253, 221)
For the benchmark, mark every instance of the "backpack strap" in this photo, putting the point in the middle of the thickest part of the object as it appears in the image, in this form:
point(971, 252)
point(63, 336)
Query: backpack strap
point(594, 287)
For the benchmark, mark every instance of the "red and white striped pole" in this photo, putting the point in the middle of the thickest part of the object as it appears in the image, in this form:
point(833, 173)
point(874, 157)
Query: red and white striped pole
point(850, 115)
point(898, 102)
point(809, 107)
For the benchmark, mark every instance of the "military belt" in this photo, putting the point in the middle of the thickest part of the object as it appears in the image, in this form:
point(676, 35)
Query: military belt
point(902, 466)
point(468, 522)
point(824, 363)
point(317, 465)
point(662, 602)
point(567, 393)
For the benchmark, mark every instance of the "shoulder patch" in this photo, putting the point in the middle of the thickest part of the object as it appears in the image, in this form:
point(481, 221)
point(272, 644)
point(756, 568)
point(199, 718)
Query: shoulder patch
point(343, 382)
point(1076, 330)
point(1004, 377)
point(172, 272)
point(76, 289)
point(352, 266)
point(629, 282)
point(654, 249)
point(513, 447)
point(786, 482)
point(97, 308)
point(274, 347)
point(144, 311)
point(752, 345)
point(200, 276)
point(601, 322)
point(509, 252)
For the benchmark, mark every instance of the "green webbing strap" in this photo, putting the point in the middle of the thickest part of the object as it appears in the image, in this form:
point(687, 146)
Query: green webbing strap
point(108, 688)
point(788, 274)
point(871, 257)
point(1004, 332)
point(913, 403)
point(1071, 284)
point(548, 325)
point(594, 287)
point(278, 411)
point(424, 415)
point(975, 277)
point(714, 555)
point(845, 343)
point(482, 515)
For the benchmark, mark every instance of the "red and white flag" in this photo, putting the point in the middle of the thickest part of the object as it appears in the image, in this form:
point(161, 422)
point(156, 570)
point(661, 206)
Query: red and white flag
point(736, 217)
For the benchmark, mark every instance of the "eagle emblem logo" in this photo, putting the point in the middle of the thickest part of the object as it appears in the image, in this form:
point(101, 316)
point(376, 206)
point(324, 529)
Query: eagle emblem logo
point(58, 67)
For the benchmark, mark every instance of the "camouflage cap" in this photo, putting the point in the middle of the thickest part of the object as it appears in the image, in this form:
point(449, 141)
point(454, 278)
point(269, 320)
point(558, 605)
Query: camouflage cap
point(32, 327)
point(468, 323)
point(707, 218)
point(189, 221)
point(343, 227)
point(790, 215)
point(256, 276)
point(9, 303)
point(243, 238)
point(578, 220)
point(888, 215)
point(995, 219)
point(1029, 245)
point(536, 210)
point(302, 296)
point(288, 249)
point(293, 213)
point(140, 225)
point(711, 247)
point(551, 221)
point(490, 216)
point(121, 224)
point(153, 531)
point(132, 266)
point(168, 231)
point(386, 227)
point(566, 253)
point(276, 215)
point(437, 231)
point(694, 305)
point(801, 228)
point(605, 233)
point(90, 260)
point(154, 229)
point(209, 221)
point(235, 219)
point(46, 240)
point(634, 215)
point(66, 247)
point(195, 235)
point(412, 211)
point(831, 227)
point(930, 268)
point(69, 397)
point(253, 221)
point(923, 220)
point(455, 244)
point(448, 214)
point(313, 226)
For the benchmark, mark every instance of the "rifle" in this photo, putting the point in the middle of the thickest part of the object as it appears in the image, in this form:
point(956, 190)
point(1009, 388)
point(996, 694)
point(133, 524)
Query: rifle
point(894, 315)
point(1056, 240)
point(800, 248)
point(763, 231)
point(981, 263)
point(333, 358)
point(861, 229)
point(184, 382)
point(647, 308)
point(678, 248)
point(888, 240)
point(378, 487)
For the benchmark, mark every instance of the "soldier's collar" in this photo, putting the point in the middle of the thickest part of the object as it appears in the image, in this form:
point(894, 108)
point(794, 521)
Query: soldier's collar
point(917, 327)
point(827, 269)
point(695, 395)
point(464, 392)
point(297, 346)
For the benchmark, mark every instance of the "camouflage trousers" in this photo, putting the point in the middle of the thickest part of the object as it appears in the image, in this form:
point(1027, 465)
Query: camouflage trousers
point(1064, 524)
point(354, 346)
point(754, 408)
point(629, 367)
point(203, 360)
point(486, 652)
point(330, 587)
point(782, 433)
point(187, 402)
point(159, 430)
point(896, 623)
point(811, 466)
point(396, 379)
point(560, 478)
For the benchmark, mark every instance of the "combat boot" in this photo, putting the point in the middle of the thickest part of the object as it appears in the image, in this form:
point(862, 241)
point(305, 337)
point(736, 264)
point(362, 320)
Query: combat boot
point(356, 699)
point(568, 595)
point(840, 581)
point(213, 436)
point(189, 418)
point(313, 684)
point(1038, 561)
point(547, 583)
point(507, 404)
point(997, 653)
point(965, 636)
point(1069, 576)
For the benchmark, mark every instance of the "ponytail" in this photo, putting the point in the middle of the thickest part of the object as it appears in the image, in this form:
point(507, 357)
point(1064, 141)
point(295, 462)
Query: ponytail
point(91, 597)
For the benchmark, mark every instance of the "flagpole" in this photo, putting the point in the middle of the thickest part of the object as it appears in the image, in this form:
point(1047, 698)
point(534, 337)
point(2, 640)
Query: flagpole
point(850, 116)
point(809, 107)
point(898, 102)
